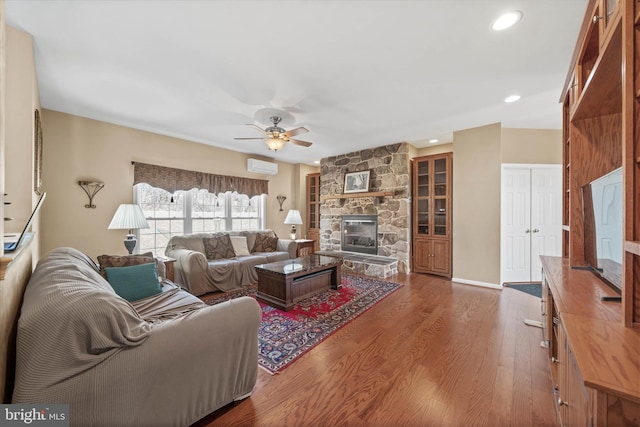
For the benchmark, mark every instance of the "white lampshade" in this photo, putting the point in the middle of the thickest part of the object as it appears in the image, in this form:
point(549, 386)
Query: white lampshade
point(293, 217)
point(129, 217)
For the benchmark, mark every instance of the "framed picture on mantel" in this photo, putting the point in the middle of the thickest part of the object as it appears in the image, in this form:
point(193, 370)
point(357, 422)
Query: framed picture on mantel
point(356, 182)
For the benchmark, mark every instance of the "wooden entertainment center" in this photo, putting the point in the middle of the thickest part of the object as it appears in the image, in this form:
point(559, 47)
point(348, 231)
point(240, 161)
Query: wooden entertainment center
point(594, 344)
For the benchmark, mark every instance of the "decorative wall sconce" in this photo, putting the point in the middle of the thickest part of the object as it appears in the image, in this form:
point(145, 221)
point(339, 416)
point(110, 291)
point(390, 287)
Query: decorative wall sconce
point(91, 188)
point(281, 200)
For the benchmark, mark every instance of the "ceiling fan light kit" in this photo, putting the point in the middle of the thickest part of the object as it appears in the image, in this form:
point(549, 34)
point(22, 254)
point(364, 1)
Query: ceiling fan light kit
point(275, 143)
point(276, 137)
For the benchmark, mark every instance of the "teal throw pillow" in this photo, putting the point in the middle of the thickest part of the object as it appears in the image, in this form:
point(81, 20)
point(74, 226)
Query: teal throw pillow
point(134, 282)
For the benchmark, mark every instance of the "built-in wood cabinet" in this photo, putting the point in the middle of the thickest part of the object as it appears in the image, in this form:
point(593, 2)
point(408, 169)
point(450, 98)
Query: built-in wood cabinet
point(601, 112)
point(594, 343)
point(432, 195)
point(313, 209)
point(594, 358)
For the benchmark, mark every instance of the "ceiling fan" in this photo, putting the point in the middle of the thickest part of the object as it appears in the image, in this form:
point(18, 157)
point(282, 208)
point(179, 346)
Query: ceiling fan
point(275, 137)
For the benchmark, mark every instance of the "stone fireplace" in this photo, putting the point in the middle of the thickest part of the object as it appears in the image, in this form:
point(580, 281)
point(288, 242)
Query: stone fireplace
point(359, 233)
point(387, 200)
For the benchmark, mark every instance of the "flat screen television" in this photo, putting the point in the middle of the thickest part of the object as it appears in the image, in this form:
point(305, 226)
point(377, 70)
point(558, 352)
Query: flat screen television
point(603, 205)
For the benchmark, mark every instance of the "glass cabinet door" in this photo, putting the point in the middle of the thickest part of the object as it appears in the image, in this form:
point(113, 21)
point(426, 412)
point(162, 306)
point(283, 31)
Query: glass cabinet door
point(610, 7)
point(423, 216)
point(440, 178)
point(432, 199)
point(423, 179)
point(312, 202)
point(423, 193)
point(440, 217)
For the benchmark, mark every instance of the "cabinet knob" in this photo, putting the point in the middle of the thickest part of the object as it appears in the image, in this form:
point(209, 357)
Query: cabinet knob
point(527, 231)
point(596, 18)
point(554, 360)
point(535, 230)
point(562, 402)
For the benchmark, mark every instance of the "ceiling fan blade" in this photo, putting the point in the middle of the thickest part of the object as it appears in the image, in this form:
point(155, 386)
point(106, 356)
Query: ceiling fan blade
point(296, 131)
point(259, 129)
point(246, 139)
point(301, 143)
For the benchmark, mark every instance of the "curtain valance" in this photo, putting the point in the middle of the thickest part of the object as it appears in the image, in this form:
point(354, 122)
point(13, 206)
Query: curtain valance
point(172, 180)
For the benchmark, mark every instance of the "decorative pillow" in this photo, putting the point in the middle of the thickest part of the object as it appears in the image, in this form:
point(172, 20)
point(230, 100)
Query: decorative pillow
point(218, 247)
point(123, 261)
point(265, 243)
point(134, 282)
point(240, 245)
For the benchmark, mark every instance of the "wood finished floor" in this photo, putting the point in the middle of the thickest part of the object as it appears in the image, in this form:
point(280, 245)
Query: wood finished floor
point(432, 353)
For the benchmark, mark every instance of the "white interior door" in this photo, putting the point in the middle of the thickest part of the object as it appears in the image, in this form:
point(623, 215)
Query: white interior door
point(531, 222)
point(516, 220)
point(546, 216)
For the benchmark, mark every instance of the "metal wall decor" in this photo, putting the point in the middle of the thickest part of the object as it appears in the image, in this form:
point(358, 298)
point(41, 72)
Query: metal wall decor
point(91, 188)
point(281, 200)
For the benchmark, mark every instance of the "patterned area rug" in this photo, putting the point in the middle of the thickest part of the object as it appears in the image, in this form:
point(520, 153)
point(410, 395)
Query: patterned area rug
point(285, 336)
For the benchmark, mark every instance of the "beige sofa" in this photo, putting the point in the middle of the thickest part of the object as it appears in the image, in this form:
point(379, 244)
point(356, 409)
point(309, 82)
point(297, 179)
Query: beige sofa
point(165, 360)
point(201, 275)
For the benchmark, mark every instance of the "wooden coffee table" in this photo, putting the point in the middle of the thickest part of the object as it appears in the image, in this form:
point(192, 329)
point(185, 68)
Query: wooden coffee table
point(282, 284)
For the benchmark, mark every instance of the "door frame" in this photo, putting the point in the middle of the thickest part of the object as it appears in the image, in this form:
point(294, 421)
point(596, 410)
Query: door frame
point(504, 166)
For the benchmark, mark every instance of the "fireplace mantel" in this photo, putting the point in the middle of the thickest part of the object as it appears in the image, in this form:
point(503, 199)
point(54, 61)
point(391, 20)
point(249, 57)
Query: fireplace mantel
point(357, 195)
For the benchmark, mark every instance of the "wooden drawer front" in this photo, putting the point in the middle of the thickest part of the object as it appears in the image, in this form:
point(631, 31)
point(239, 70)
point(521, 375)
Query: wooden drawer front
point(303, 287)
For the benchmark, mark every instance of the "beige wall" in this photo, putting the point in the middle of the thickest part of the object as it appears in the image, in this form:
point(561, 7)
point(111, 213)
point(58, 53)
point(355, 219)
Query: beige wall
point(535, 146)
point(77, 148)
point(22, 98)
point(18, 99)
point(434, 149)
point(476, 204)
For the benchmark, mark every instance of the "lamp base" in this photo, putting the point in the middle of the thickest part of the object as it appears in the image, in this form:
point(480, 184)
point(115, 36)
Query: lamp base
point(293, 232)
point(130, 243)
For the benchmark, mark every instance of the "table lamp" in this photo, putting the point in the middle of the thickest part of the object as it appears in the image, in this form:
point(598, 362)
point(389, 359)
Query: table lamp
point(129, 217)
point(293, 218)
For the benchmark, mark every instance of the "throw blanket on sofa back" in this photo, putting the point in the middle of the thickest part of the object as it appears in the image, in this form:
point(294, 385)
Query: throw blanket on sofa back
point(205, 262)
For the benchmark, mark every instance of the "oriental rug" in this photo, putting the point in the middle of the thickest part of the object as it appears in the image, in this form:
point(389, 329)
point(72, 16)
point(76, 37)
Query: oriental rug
point(285, 336)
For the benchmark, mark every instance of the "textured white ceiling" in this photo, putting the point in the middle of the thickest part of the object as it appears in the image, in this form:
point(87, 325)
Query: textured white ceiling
point(357, 74)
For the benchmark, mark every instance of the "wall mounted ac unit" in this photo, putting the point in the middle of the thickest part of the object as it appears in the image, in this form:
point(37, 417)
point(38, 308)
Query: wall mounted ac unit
point(258, 166)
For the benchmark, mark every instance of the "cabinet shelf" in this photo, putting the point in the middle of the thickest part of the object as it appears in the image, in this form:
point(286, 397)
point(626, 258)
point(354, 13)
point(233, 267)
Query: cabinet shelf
point(601, 94)
point(633, 247)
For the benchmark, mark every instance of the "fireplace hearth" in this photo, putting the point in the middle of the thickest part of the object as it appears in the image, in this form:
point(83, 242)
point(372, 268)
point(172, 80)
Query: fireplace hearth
point(359, 233)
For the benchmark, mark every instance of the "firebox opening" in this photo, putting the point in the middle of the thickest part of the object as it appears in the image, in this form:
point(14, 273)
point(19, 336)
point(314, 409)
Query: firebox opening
point(360, 234)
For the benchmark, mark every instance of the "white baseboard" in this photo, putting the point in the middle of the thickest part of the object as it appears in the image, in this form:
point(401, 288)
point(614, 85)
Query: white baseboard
point(476, 283)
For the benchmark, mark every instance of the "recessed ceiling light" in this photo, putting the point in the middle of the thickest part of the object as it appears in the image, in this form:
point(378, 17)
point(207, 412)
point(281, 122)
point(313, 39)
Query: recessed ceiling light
point(433, 141)
point(512, 98)
point(317, 162)
point(507, 20)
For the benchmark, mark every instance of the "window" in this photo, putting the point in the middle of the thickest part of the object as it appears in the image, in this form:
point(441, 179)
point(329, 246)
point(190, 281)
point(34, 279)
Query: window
point(193, 211)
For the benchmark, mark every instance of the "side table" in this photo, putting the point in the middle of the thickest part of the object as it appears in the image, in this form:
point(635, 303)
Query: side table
point(168, 265)
point(305, 247)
